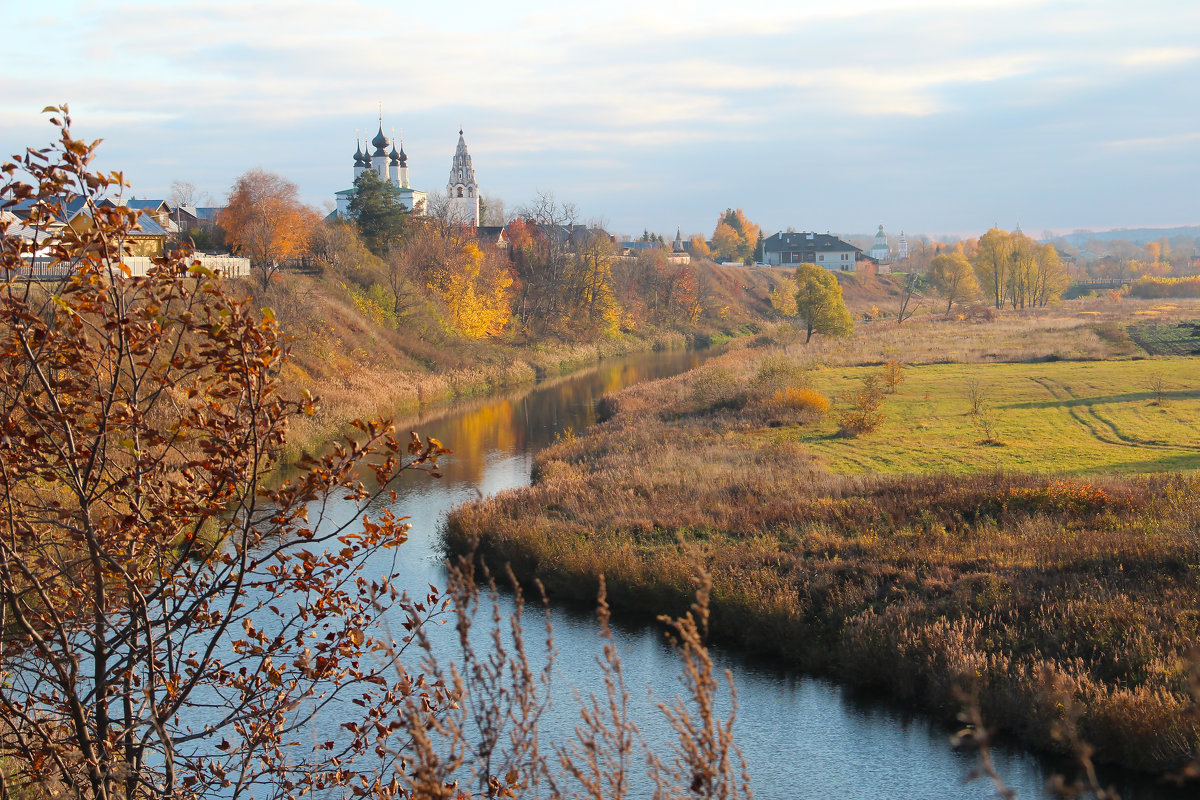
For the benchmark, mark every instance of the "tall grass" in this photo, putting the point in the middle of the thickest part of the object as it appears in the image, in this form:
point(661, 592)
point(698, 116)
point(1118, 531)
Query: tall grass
point(1046, 592)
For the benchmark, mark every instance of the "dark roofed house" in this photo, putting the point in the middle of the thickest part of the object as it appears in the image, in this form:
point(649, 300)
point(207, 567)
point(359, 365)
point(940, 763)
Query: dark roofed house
point(493, 235)
point(830, 252)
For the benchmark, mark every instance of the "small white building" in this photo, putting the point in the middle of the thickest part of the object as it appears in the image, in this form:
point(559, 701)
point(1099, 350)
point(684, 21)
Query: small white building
point(880, 250)
point(793, 249)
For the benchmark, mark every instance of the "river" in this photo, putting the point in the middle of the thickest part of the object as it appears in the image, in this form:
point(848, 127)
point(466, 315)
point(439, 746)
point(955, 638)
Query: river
point(803, 738)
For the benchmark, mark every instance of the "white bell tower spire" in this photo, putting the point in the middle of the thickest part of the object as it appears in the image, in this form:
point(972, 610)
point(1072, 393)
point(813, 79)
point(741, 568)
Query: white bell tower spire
point(462, 190)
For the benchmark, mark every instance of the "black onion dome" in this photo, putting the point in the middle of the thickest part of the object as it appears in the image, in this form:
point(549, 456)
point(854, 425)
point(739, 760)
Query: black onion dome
point(394, 156)
point(403, 156)
point(380, 141)
point(358, 153)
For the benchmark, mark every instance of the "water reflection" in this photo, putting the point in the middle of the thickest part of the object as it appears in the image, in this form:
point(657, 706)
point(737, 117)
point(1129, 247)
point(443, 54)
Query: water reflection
point(803, 738)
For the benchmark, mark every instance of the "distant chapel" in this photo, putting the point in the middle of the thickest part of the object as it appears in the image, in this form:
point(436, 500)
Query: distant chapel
point(462, 192)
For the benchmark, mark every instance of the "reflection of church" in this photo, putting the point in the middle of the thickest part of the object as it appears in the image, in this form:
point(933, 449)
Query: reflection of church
point(462, 192)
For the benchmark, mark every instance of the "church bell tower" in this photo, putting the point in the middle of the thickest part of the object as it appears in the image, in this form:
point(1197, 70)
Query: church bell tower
point(462, 191)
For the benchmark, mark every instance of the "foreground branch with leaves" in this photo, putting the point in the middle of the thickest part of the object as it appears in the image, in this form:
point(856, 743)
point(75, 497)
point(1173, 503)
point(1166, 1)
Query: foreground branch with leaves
point(175, 621)
point(170, 622)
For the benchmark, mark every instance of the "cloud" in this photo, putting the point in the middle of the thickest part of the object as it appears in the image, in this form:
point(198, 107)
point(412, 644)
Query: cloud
point(1155, 142)
point(1159, 57)
point(920, 91)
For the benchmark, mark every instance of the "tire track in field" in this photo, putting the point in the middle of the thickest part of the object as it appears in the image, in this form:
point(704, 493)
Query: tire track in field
point(1101, 428)
point(1061, 393)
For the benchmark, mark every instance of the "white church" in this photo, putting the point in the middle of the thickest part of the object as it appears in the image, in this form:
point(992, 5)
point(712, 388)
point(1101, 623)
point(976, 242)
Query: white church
point(462, 191)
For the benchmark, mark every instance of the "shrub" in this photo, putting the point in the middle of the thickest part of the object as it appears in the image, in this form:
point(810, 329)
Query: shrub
point(1065, 496)
point(862, 410)
point(893, 374)
point(807, 402)
point(716, 388)
point(776, 374)
point(1111, 332)
point(1153, 288)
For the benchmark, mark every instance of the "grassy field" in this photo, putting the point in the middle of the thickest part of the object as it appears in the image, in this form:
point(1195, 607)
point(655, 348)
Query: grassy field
point(1040, 566)
point(1179, 339)
point(1072, 417)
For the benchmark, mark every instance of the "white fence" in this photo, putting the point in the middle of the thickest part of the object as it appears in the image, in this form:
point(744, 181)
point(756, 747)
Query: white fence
point(47, 269)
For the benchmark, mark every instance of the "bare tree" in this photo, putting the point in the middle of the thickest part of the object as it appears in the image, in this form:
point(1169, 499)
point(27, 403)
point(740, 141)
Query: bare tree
point(183, 194)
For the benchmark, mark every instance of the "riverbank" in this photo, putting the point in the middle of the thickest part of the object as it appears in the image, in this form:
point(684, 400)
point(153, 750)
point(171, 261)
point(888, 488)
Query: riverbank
point(361, 368)
point(1062, 601)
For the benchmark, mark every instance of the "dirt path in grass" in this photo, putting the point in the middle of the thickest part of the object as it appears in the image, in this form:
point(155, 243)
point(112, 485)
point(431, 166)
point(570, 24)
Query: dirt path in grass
point(1102, 429)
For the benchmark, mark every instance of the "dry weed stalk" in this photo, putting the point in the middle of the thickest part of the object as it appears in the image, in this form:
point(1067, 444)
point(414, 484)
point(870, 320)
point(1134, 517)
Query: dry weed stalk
point(707, 762)
point(599, 757)
point(486, 736)
point(974, 735)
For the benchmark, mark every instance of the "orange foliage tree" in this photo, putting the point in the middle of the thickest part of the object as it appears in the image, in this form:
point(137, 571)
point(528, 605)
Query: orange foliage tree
point(265, 221)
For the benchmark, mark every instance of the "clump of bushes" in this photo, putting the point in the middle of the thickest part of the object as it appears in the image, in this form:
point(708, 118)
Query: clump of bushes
point(715, 389)
point(1111, 332)
point(1060, 496)
point(861, 410)
point(809, 404)
point(778, 373)
point(1155, 288)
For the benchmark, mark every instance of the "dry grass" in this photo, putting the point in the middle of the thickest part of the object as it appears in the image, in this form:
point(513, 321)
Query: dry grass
point(1047, 593)
point(359, 369)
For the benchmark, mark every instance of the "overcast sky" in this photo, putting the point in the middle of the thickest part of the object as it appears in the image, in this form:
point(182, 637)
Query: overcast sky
point(937, 116)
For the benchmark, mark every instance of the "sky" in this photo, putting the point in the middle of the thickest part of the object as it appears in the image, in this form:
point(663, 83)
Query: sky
point(933, 116)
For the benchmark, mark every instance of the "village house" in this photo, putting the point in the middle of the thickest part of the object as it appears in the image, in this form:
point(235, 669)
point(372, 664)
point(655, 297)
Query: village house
point(791, 249)
point(148, 240)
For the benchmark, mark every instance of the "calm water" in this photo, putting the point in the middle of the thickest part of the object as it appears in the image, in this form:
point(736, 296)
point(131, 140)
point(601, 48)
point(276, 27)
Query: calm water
point(802, 737)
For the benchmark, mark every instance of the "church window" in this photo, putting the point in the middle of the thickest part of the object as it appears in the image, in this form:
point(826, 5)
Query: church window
point(460, 194)
point(470, 191)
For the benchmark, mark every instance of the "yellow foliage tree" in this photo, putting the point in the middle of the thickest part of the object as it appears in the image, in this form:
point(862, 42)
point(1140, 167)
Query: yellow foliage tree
point(475, 294)
point(725, 242)
point(783, 297)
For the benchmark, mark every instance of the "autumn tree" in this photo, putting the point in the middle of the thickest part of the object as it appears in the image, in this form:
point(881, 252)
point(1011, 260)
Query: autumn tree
point(540, 246)
point(669, 289)
point(378, 212)
point(952, 276)
point(783, 297)
point(471, 286)
point(265, 221)
point(1049, 278)
point(590, 292)
point(912, 295)
point(183, 193)
point(698, 247)
point(735, 236)
point(1015, 270)
point(819, 302)
point(173, 621)
point(992, 263)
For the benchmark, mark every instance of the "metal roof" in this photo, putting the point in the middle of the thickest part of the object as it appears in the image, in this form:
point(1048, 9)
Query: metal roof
point(817, 242)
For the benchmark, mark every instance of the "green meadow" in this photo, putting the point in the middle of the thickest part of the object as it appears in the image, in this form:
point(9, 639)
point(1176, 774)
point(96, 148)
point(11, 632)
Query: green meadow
point(1071, 417)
